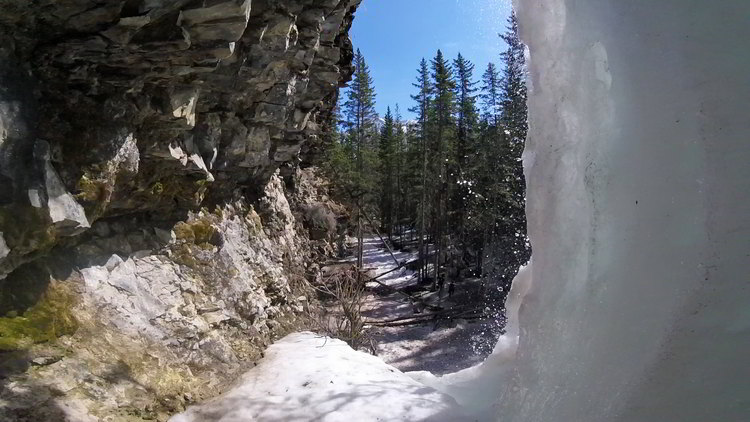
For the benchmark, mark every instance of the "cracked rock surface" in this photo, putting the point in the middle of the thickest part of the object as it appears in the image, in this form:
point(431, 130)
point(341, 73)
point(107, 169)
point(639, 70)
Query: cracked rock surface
point(122, 107)
point(153, 195)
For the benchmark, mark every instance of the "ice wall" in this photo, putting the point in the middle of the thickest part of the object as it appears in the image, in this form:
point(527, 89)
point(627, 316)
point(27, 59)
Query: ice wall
point(638, 168)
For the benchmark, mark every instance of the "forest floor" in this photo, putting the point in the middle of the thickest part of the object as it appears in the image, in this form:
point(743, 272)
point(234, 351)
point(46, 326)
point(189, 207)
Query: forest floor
point(427, 330)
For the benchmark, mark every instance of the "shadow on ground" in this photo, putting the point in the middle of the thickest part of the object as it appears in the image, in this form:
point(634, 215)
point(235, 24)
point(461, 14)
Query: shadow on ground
point(21, 399)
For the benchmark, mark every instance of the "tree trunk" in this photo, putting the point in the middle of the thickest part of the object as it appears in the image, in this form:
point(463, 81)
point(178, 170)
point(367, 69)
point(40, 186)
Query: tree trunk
point(423, 203)
point(360, 245)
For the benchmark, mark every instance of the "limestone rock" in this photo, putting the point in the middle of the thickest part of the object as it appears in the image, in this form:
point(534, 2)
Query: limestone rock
point(178, 310)
point(163, 126)
point(66, 215)
point(152, 106)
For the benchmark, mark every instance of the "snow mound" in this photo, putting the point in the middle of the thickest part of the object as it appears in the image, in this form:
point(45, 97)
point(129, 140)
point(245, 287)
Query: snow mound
point(306, 377)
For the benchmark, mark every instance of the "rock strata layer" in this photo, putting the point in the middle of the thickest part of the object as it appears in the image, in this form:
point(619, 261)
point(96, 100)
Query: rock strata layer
point(122, 107)
point(155, 224)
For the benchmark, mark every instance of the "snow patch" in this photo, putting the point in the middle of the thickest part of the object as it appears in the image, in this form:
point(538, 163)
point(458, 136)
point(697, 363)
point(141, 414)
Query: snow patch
point(306, 377)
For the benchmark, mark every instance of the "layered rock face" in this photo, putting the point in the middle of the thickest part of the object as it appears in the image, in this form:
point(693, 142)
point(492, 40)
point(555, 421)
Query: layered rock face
point(151, 236)
point(113, 108)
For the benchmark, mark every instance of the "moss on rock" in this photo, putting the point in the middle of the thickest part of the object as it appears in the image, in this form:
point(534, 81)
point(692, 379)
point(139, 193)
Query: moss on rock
point(47, 320)
point(201, 232)
point(91, 189)
point(26, 227)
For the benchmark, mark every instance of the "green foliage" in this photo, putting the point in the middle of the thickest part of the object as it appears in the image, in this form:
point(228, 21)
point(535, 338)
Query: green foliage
point(455, 175)
point(491, 100)
point(497, 210)
point(419, 152)
point(353, 160)
point(423, 98)
point(388, 174)
point(466, 143)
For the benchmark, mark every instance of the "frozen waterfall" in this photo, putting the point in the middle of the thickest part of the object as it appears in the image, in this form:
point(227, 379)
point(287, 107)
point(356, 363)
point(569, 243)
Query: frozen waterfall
point(638, 169)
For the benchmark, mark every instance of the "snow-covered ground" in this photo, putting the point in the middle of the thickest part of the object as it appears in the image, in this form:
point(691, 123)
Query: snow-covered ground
point(306, 377)
point(445, 348)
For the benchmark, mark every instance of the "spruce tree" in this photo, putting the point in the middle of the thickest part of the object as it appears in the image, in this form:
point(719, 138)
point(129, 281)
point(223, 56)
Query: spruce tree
point(360, 118)
point(387, 156)
point(466, 123)
point(443, 109)
point(423, 99)
point(491, 94)
point(399, 165)
point(338, 163)
point(513, 86)
point(498, 207)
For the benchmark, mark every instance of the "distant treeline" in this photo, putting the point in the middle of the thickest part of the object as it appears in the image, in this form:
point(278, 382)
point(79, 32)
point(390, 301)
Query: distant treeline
point(452, 178)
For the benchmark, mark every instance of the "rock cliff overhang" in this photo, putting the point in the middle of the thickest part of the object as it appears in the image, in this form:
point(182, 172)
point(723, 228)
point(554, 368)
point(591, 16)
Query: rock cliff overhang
point(111, 108)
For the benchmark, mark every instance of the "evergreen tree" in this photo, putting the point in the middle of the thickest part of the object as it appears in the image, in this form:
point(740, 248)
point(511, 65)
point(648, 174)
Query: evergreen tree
point(466, 98)
point(513, 87)
point(423, 99)
point(466, 122)
point(491, 94)
point(338, 163)
point(360, 118)
point(387, 156)
point(442, 141)
point(454, 176)
point(399, 165)
point(498, 208)
point(412, 179)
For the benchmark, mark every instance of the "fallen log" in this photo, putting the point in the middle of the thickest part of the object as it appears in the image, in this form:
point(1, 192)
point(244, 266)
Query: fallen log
point(419, 321)
point(411, 298)
point(446, 314)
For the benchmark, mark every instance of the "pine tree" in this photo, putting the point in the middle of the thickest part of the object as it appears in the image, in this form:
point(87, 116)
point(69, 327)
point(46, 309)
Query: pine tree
point(497, 208)
point(443, 110)
point(466, 122)
point(399, 164)
point(513, 87)
point(413, 172)
point(359, 119)
point(423, 99)
point(455, 176)
point(491, 95)
point(387, 156)
point(338, 163)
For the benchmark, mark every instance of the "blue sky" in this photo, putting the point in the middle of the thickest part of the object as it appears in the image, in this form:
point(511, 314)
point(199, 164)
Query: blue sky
point(394, 35)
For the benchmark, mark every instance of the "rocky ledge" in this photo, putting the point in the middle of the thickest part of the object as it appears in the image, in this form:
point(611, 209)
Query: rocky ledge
point(155, 222)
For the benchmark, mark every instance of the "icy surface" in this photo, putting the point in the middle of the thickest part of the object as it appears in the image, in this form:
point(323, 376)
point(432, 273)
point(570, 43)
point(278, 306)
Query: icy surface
point(305, 377)
point(638, 306)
